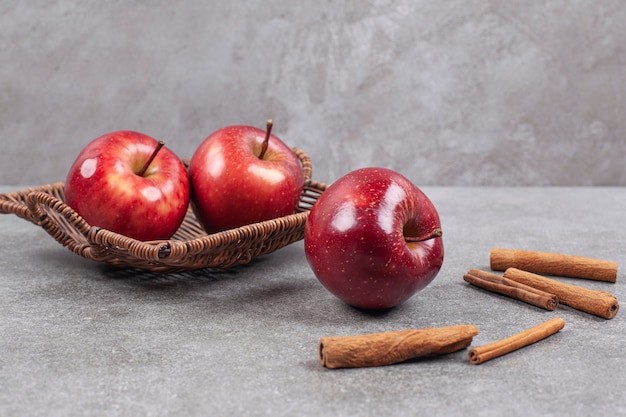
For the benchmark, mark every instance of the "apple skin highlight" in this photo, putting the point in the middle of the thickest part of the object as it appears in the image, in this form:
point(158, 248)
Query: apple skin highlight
point(373, 239)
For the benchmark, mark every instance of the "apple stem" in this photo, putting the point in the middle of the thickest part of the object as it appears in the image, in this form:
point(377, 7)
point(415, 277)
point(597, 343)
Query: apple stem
point(266, 141)
point(435, 233)
point(154, 154)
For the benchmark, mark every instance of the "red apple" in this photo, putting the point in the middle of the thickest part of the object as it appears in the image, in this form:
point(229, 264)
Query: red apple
point(128, 183)
point(373, 239)
point(242, 175)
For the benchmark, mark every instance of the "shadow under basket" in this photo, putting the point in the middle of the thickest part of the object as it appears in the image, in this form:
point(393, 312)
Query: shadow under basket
point(191, 248)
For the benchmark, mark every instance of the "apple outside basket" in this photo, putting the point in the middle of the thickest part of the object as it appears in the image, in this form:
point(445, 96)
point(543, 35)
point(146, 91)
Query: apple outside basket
point(191, 248)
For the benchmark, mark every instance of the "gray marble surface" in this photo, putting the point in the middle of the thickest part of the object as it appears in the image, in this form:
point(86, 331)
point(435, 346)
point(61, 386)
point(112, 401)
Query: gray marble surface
point(454, 92)
point(81, 339)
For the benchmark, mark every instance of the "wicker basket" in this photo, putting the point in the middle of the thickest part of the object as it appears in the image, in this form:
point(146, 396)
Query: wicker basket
point(189, 249)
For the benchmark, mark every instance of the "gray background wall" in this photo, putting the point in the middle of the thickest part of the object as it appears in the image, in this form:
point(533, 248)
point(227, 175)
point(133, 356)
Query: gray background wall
point(457, 92)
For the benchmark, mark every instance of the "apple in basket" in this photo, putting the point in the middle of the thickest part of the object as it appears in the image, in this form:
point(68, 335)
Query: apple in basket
point(241, 175)
point(373, 239)
point(129, 183)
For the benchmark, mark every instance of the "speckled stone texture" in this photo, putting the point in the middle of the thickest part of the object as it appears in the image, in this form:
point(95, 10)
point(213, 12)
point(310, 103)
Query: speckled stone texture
point(79, 339)
point(448, 93)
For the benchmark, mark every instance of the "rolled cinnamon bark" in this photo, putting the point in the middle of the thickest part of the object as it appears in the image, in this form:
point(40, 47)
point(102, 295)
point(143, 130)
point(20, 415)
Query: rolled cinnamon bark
point(550, 263)
point(495, 283)
point(493, 350)
point(600, 303)
point(386, 348)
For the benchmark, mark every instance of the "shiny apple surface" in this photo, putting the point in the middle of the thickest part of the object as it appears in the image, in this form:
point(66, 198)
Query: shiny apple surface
point(233, 186)
point(372, 239)
point(104, 187)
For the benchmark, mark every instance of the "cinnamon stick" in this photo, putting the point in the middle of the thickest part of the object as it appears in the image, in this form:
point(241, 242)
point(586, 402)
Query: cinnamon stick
point(493, 350)
point(599, 303)
point(550, 263)
point(495, 283)
point(387, 348)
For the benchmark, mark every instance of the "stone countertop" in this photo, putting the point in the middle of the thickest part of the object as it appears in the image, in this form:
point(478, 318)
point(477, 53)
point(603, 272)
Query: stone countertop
point(82, 339)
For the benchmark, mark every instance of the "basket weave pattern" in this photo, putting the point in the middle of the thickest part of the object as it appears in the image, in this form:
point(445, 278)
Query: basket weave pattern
point(189, 249)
